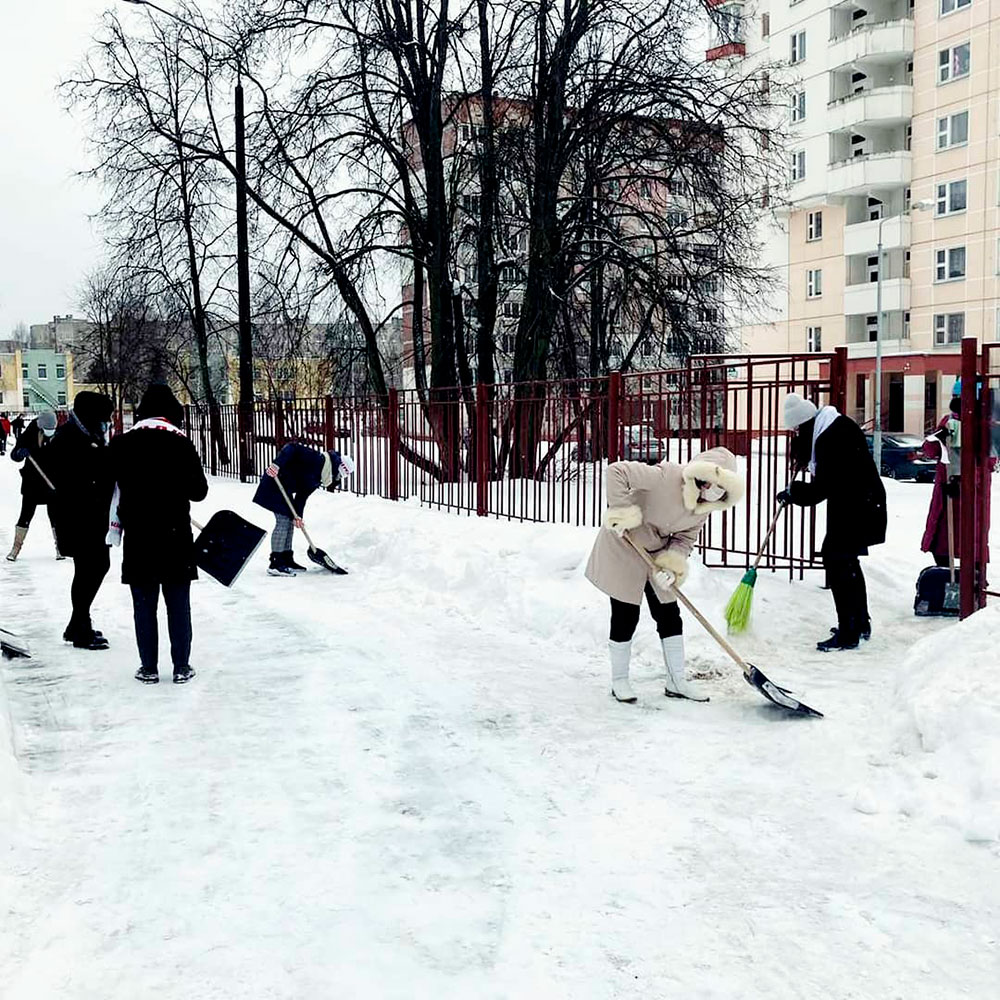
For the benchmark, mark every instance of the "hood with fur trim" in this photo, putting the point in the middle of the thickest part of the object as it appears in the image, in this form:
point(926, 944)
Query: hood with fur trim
point(716, 466)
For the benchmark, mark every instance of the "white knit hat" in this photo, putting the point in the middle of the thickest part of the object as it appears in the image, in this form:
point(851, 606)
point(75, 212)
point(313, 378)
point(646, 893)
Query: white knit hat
point(346, 466)
point(798, 410)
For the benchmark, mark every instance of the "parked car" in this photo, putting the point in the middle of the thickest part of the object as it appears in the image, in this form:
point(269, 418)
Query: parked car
point(641, 444)
point(903, 458)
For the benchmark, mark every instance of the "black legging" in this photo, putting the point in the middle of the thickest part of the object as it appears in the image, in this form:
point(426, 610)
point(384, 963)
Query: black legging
point(90, 567)
point(850, 594)
point(625, 617)
point(28, 508)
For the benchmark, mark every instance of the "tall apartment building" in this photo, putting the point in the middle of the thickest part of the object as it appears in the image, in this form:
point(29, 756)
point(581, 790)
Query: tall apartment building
point(894, 117)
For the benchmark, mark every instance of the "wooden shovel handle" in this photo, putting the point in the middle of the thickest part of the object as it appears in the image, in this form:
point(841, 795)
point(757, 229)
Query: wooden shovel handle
point(291, 507)
point(702, 620)
point(951, 538)
point(39, 470)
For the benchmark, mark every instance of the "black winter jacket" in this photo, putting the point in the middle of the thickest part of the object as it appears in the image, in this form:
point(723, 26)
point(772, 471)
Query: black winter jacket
point(301, 469)
point(32, 443)
point(158, 474)
point(78, 460)
point(846, 478)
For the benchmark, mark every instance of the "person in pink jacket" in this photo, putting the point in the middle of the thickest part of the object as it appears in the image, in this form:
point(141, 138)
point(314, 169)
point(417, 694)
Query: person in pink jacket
point(663, 508)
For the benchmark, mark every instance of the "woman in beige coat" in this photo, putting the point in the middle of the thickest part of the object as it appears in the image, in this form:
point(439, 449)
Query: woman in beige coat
point(663, 507)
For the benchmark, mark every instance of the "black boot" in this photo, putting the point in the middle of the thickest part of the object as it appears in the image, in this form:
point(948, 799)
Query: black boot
point(865, 632)
point(289, 558)
point(277, 566)
point(147, 676)
point(183, 674)
point(841, 639)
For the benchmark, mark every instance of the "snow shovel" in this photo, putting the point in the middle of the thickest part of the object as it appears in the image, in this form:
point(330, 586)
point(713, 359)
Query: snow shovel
point(318, 556)
point(779, 696)
point(13, 645)
point(952, 597)
point(225, 545)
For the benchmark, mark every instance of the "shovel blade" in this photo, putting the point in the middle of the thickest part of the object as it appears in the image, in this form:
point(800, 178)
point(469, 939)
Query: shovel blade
point(952, 596)
point(319, 557)
point(779, 696)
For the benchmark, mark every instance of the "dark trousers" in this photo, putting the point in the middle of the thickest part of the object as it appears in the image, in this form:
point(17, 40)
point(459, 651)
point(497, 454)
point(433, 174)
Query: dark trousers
point(850, 595)
point(28, 508)
point(177, 598)
point(90, 567)
point(625, 617)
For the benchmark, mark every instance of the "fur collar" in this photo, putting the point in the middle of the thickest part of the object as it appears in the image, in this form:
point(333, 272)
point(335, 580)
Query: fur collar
point(718, 475)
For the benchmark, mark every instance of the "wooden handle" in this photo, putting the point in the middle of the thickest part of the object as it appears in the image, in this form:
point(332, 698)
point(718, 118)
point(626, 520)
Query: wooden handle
point(702, 620)
point(291, 507)
point(767, 537)
point(951, 538)
point(38, 469)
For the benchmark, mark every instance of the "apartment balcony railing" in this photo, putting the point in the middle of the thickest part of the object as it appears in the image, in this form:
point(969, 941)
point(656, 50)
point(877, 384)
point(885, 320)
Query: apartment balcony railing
point(890, 345)
point(878, 106)
point(861, 299)
point(862, 237)
point(862, 174)
point(883, 41)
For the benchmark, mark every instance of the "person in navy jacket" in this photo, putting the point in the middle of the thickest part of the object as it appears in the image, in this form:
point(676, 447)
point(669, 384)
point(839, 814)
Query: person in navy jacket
point(301, 470)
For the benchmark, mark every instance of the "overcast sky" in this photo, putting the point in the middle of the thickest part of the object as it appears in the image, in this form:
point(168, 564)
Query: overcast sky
point(46, 240)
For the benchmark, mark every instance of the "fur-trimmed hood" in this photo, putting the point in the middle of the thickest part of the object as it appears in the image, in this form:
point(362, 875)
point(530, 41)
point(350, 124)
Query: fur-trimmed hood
point(716, 466)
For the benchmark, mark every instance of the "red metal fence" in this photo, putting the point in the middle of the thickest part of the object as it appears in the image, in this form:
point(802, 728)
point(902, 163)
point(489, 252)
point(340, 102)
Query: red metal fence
point(538, 451)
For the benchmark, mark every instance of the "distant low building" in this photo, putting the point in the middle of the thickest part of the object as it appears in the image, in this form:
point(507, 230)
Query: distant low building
point(34, 380)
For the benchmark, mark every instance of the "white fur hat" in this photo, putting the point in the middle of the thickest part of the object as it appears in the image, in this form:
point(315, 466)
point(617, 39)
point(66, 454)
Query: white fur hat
point(798, 410)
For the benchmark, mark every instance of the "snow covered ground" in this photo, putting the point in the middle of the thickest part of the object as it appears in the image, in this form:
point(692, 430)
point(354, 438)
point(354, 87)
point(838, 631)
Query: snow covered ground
point(411, 782)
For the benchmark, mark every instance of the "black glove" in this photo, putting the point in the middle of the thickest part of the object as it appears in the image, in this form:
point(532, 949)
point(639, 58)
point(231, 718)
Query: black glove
point(784, 498)
point(951, 488)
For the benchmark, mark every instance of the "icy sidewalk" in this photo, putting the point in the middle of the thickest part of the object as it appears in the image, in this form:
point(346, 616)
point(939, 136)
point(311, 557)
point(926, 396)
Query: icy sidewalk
point(411, 782)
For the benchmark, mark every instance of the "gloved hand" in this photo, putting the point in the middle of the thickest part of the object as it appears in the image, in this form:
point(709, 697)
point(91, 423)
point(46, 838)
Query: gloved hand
point(673, 563)
point(664, 579)
point(784, 498)
point(272, 470)
point(622, 519)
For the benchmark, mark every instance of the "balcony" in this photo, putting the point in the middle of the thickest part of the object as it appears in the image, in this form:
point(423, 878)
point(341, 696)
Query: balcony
point(884, 42)
point(866, 348)
point(870, 173)
point(880, 106)
point(861, 299)
point(862, 237)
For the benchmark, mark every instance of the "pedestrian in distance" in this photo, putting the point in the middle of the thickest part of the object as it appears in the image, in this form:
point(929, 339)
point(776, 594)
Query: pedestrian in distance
point(4, 432)
point(944, 442)
point(32, 448)
point(157, 474)
point(834, 449)
point(17, 426)
point(301, 470)
point(663, 508)
point(78, 460)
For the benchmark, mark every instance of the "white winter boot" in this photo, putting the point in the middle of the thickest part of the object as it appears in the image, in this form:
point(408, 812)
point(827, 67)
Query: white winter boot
point(620, 653)
point(676, 682)
point(15, 550)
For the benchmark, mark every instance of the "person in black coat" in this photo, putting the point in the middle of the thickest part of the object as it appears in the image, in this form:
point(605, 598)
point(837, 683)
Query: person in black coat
point(834, 449)
point(78, 459)
point(17, 425)
point(301, 470)
point(32, 448)
point(158, 473)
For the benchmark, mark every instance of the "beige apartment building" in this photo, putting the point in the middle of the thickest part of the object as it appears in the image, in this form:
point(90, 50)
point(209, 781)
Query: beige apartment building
point(894, 119)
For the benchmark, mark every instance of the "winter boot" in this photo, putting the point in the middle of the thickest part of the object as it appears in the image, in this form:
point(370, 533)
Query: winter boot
point(183, 674)
point(676, 683)
point(72, 633)
point(620, 653)
point(278, 567)
point(55, 538)
point(865, 633)
point(90, 640)
point(147, 676)
point(15, 550)
point(289, 560)
point(841, 639)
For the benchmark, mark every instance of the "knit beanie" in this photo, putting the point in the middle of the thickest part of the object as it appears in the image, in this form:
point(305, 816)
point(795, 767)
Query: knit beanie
point(798, 411)
point(46, 421)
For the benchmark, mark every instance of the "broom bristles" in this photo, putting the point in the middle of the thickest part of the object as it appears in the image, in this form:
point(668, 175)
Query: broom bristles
point(741, 603)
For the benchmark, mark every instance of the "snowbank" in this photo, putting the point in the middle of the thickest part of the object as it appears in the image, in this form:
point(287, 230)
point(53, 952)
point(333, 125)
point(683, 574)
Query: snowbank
point(943, 760)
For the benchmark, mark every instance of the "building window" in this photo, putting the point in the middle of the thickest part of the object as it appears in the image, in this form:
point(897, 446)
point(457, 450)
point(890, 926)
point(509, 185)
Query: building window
point(511, 310)
point(951, 197)
point(675, 219)
point(24, 369)
point(949, 265)
point(872, 264)
point(906, 326)
point(949, 6)
point(26, 401)
point(798, 106)
point(765, 25)
point(814, 226)
point(953, 130)
point(798, 165)
point(60, 371)
point(953, 63)
point(814, 283)
point(814, 338)
point(949, 328)
point(61, 398)
point(470, 203)
point(871, 328)
point(798, 47)
point(645, 191)
point(43, 371)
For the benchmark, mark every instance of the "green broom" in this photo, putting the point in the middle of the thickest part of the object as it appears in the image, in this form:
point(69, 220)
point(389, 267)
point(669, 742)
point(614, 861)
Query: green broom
point(741, 603)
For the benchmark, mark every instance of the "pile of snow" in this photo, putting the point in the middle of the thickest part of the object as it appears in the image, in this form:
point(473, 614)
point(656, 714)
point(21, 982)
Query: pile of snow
point(943, 760)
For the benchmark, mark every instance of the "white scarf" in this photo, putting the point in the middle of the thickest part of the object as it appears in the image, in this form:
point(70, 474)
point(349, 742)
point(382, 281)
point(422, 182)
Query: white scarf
point(114, 535)
point(824, 418)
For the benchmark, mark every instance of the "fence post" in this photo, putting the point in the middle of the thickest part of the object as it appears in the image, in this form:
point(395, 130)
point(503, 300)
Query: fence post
point(392, 428)
point(244, 418)
point(970, 568)
point(614, 415)
point(279, 425)
point(838, 380)
point(482, 450)
point(329, 442)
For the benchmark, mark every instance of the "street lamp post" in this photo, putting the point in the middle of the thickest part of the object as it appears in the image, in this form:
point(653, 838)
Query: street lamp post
point(246, 391)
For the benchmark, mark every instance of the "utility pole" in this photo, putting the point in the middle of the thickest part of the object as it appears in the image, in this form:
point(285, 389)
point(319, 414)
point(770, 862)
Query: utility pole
point(877, 434)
